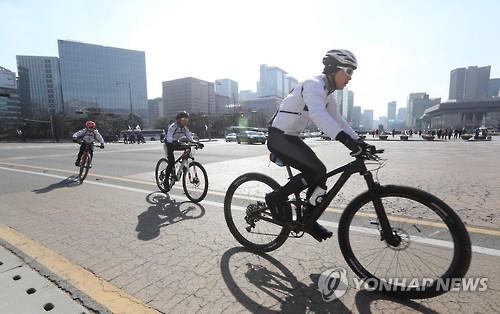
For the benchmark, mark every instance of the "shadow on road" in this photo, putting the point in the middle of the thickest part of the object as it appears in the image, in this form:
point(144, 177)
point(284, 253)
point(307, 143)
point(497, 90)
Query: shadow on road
point(272, 279)
point(69, 182)
point(365, 298)
point(164, 212)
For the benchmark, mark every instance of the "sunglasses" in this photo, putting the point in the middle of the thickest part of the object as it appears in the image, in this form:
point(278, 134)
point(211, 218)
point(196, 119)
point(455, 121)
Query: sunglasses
point(347, 70)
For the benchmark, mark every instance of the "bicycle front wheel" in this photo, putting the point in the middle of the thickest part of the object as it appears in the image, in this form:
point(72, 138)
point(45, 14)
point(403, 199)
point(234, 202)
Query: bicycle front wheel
point(195, 182)
point(247, 215)
point(84, 167)
point(434, 245)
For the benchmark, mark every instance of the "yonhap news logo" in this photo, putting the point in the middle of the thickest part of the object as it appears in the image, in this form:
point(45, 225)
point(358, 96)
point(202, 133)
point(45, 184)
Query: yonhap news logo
point(333, 284)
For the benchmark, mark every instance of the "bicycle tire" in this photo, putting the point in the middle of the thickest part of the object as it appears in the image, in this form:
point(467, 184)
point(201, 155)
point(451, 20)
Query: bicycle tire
point(84, 170)
point(159, 182)
point(259, 248)
point(184, 183)
point(462, 247)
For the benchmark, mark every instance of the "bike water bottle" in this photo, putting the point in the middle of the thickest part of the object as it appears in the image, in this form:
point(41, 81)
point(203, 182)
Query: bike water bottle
point(317, 195)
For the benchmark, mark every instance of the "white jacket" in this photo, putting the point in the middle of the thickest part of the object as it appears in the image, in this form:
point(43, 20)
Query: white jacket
point(309, 101)
point(88, 136)
point(175, 132)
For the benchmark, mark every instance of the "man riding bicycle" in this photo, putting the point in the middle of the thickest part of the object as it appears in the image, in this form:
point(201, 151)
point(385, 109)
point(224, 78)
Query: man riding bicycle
point(175, 134)
point(311, 101)
point(86, 137)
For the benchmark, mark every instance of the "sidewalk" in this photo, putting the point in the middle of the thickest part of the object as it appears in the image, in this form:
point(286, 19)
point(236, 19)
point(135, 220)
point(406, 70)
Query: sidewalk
point(24, 290)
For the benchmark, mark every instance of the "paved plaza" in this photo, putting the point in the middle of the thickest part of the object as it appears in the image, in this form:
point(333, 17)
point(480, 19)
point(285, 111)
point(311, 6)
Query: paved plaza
point(162, 253)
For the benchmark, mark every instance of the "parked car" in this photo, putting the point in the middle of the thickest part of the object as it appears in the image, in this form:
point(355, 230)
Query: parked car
point(251, 137)
point(231, 137)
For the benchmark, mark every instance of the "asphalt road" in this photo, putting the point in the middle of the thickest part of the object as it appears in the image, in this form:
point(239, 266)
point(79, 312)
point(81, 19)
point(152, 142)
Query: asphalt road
point(177, 256)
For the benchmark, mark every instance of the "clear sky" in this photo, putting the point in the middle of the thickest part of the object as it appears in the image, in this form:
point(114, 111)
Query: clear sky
point(402, 46)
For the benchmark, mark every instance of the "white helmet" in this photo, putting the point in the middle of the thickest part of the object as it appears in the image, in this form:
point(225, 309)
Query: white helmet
point(339, 57)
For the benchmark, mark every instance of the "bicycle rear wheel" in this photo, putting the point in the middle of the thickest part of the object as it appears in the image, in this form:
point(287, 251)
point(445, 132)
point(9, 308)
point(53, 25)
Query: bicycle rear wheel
point(84, 166)
point(195, 182)
point(434, 247)
point(247, 215)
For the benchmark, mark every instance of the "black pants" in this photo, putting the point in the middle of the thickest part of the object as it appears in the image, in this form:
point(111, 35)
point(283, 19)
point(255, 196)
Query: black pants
point(83, 145)
point(295, 153)
point(169, 149)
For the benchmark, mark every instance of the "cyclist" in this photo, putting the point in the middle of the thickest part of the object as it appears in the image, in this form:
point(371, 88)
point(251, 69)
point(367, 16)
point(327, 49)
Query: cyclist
point(311, 100)
point(87, 137)
point(176, 135)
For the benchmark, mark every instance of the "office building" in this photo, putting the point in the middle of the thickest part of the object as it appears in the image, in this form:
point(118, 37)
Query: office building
point(228, 88)
point(391, 112)
point(402, 113)
point(224, 104)
point(350, 105)
point(10, 108)
point(476, 82)
point(274, 81)
point(155, 110)
point(382, 121)
point(463, 114)
point(260, 110)
point(111, 79)
point(367, 120)
point(457, 84)
point(342, 99)
point(39, 85)
point(190, 94)
point(247, 94)
point(417, 104)
point(494, 87)
point(356, 117)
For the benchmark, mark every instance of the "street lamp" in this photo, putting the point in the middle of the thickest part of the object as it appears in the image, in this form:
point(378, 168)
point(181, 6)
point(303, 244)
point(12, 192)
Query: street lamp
point(208, 100)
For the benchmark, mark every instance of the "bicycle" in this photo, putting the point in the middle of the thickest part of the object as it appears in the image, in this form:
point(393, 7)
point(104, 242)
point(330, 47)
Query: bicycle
point(383, 233)
point(85, 161)
point(195, 188)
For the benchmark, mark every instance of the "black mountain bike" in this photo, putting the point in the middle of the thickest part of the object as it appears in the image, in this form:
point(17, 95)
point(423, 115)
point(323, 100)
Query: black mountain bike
point(85, 161)
point(388, 232)
point(194, 176)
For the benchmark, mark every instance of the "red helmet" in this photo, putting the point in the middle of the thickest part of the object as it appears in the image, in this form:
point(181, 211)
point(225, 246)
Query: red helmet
point(90, 124)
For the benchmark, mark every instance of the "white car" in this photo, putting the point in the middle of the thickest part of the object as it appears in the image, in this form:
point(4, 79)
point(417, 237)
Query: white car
point(231, 137)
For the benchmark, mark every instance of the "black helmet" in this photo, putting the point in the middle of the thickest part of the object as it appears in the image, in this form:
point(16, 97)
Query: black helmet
point(339, 57)
point(182, 114)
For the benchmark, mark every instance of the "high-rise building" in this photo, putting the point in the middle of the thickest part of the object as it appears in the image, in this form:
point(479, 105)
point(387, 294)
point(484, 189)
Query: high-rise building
point(457, 84)
point(190, 94)
point(39, 85)
point(391, 113)
point(417, 103)
point(350, 106)
point(476, 83)
point(383, 121)
point(224, 104)
point(227, 87)
point(356, 117)
point(342, 98)
point(112, 79)
point(260, 110)
point(274, 81)
point(367, 120)
point(155, 110)
point(290, 83)
point(10, 108)
point(402, 113)
point(494, 87)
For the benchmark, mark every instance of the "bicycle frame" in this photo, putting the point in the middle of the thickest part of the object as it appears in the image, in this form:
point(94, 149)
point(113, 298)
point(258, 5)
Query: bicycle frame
point(357, 166)
point(184, 161)
point(86, 154)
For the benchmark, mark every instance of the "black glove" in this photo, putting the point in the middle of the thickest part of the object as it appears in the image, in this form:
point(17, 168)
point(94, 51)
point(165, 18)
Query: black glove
point(357, 146)
point(102, 146)
point(200, 145)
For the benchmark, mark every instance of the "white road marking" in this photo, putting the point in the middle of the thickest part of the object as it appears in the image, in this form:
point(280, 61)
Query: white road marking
point(440, 243)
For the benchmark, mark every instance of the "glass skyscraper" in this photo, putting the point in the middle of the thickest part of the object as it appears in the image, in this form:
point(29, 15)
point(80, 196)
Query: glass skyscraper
point(111, 79)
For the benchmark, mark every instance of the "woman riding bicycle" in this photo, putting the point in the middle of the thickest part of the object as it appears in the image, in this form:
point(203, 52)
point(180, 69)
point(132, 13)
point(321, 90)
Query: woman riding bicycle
point(311, 101)
point(174, 134)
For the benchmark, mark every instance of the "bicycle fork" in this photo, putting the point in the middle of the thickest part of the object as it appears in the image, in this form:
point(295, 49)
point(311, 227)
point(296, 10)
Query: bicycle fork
point(374, 190)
